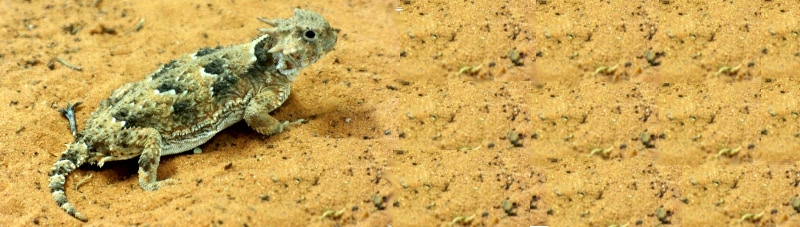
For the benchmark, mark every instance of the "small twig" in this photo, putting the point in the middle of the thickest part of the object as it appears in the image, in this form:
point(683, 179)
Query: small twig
point(472, 70)
point(603, 152)
point(68, 65)
point(605, 70)
point(136, 27)
point(751, 217)
point(461, 220)
point(730, 152)
point(466, 148)
point(730, 70)
point(84, 180)
point(333, 214)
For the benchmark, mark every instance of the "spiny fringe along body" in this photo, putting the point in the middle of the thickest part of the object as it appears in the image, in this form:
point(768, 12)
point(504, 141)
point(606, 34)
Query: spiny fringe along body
point(190, 99)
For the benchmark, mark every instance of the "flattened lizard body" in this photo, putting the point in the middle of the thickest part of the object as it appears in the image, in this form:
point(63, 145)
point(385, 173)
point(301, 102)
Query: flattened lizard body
point(190, 99)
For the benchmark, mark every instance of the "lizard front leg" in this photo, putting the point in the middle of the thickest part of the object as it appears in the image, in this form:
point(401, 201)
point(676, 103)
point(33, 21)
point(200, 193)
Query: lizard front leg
point(150, 140)
point(257, 112)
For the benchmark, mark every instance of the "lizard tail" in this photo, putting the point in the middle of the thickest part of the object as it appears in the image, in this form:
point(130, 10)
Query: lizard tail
point(71, 159)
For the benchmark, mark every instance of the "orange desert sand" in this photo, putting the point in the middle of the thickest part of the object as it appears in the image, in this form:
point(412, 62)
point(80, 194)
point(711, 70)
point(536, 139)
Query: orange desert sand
point(432, 113)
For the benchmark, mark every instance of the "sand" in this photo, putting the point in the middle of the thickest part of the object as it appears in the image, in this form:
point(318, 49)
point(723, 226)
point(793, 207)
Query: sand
point(432, 113)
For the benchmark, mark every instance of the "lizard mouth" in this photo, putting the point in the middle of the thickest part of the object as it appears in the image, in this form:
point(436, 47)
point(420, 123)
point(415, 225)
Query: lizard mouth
point(287, 64)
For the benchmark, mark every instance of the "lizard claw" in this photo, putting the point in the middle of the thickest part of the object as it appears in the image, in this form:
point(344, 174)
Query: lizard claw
point(287, 124)
point(296, 122)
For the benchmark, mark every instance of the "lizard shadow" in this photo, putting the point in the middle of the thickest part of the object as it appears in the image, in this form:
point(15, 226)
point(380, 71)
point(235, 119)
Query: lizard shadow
point(124, 170)
point(114, 171)
point(331, 121)
point(328, 121)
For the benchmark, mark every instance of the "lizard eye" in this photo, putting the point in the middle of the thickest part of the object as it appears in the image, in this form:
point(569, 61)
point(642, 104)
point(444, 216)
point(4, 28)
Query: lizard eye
point(309, 35)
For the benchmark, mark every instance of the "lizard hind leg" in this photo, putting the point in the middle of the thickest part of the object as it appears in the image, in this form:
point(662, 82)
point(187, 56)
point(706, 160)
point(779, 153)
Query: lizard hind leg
point(150, 140)
point(71, 159)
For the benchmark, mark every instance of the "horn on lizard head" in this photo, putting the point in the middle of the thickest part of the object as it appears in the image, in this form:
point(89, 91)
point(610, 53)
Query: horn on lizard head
point(270, 22)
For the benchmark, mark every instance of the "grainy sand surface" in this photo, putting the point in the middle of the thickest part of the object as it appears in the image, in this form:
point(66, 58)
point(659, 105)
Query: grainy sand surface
point(473, 113)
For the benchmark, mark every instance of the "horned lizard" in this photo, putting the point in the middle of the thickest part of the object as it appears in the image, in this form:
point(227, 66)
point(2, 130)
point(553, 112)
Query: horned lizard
point(190, 99)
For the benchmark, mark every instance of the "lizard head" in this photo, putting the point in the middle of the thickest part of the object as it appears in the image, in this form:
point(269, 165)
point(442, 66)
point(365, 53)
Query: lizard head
point(301, 40)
